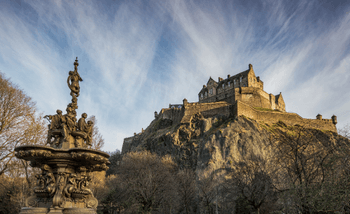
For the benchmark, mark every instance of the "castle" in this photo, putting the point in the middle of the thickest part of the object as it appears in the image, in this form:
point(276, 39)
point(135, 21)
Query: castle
point(239, 95)
point(245, 87)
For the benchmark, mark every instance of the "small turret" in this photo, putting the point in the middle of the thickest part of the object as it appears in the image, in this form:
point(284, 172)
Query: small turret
point(185, 102)
point(334, 119)
point(319, 117)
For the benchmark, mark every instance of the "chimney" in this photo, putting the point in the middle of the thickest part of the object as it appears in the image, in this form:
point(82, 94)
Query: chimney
point(228, 76)
point(204, 86)
point(220, 79)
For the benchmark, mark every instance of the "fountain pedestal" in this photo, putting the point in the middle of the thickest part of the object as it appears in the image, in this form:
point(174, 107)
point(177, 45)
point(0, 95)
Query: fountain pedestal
point(62, 186)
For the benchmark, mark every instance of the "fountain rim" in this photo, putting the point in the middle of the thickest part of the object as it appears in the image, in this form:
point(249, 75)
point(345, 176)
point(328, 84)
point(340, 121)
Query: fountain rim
point(78, 149)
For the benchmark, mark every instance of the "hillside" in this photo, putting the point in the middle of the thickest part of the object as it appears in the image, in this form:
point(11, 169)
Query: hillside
point(216, 142)
point(257, 164)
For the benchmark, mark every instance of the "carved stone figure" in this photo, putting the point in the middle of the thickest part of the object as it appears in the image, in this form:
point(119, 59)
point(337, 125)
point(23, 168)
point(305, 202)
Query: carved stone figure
point(89, 130)
point(55, 120)
point(40, 182)
point(73, 80)
point(71, 186)
point(82, 123)
point(54, 127)
point(50, 183)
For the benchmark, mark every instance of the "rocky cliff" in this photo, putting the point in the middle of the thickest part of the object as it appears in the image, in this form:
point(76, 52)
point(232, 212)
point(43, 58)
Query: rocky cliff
point(208, 144)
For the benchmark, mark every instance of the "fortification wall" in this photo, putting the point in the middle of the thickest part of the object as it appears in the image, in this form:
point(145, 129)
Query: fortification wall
point(254, 97)
point(174, 114)
point(206, 109)
point(288, 118)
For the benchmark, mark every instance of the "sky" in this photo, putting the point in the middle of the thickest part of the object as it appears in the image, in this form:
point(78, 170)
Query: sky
point(137, 57)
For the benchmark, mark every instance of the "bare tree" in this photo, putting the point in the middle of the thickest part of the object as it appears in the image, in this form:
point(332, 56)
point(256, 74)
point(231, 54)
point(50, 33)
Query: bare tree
point(97, 139)
point(345, 131)
point(146, 184)
point(254, 182)
point(307, 158)
point(186, 180)
point(207, 192)
point(18, 122)
point(19, 125)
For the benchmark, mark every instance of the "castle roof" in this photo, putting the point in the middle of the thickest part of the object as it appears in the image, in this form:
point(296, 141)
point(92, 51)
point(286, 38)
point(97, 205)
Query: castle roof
point(231, 78)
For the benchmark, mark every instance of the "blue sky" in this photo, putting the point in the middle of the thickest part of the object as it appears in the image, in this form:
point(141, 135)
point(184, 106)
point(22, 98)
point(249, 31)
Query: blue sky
point(136, 57)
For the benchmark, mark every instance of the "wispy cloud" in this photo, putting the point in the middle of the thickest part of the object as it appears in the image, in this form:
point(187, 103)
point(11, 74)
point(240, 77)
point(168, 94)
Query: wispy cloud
point(136, 57)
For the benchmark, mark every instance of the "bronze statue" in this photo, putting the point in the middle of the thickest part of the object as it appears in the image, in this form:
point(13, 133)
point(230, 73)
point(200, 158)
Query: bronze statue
point(55, 128)
point(82, 123)
point(73, 80)
point(89, 130)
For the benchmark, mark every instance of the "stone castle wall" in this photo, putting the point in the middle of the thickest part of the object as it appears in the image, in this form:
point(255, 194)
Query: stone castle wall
point(206, 109)
point(184, 114)
point(174, 114)
point(242, 109)
point(254, 97)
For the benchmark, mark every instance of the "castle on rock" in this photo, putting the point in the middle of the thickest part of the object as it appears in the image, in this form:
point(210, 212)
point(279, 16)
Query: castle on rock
point(239, 95)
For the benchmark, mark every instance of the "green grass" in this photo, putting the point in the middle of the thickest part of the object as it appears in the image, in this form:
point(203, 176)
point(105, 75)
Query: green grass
point(265, 109)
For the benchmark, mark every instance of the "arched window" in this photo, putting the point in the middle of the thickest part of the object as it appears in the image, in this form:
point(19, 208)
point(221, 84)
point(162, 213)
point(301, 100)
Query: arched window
point(229, 84)
point(211, 91)
point(223, 86)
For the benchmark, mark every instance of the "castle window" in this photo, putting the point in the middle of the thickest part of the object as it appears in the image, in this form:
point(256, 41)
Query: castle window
point(229, 84)
point(240, 79)
point(205, 94)
point(223, 86)
point(211, 91)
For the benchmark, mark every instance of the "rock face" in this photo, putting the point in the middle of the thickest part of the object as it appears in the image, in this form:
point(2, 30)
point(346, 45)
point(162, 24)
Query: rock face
point(208, 144)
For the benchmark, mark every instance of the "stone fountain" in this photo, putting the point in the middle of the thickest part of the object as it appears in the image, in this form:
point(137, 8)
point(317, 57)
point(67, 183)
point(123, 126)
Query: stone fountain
point(66, 161)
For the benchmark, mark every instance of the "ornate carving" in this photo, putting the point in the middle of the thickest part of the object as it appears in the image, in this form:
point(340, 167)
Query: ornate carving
point(40, 182)
point(31, 201)
point(33, 153)
point(71, 186)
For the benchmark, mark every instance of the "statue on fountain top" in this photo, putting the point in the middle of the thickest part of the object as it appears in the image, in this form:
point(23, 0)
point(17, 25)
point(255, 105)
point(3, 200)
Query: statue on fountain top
point(73, 80)
point(64, 131)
